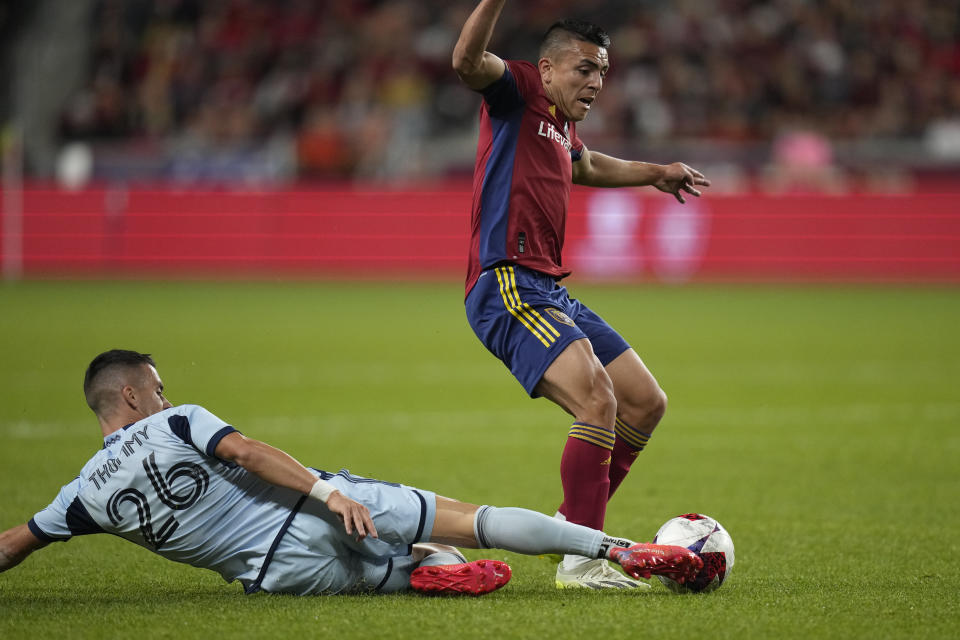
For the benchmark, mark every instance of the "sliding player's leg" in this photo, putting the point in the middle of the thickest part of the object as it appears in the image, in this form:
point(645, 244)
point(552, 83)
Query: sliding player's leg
point(528, 532)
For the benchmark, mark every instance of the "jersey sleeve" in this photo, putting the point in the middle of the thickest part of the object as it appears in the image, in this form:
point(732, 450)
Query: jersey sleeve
point(199, 428)
point(51, 524)
point(576, 145)
point(514, 88)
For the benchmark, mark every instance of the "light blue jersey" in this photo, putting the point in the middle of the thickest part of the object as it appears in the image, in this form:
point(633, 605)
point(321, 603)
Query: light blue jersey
point(158, 484)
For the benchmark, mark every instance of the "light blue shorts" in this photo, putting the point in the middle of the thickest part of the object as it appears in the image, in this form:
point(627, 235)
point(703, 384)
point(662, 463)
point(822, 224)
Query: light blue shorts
point(316, 556)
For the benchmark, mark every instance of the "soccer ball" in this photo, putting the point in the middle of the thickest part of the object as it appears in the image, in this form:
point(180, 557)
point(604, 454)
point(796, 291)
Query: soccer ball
point(708, 539)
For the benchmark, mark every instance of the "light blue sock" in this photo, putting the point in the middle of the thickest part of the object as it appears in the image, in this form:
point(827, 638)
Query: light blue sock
point(442, 557)
point(532, 533)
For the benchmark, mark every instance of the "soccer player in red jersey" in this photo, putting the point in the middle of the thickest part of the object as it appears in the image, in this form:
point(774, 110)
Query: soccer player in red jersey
point(527, 156)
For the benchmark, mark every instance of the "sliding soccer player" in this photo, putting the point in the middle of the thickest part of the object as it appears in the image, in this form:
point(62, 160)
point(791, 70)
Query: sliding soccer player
point(186, 485)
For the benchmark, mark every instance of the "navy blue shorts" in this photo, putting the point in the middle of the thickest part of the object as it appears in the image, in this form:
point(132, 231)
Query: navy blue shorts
point(526, 319)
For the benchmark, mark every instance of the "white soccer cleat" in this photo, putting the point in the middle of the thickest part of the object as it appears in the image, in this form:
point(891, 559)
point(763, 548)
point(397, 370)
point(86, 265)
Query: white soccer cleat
point(598, 575)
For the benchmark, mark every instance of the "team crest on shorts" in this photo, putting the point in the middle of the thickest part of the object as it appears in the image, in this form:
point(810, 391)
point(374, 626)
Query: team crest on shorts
point(560, 316)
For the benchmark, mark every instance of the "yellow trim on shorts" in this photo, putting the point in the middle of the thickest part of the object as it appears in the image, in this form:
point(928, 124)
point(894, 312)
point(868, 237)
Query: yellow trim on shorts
point(527, 315)
point(521, 310)
point(527, 307)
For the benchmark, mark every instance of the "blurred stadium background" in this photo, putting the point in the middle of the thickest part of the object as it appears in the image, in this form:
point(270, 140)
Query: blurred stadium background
point(331, 138)
point(307, 145)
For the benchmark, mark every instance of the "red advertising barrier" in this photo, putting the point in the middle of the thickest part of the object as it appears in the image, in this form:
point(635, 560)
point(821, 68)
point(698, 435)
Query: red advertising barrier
point(413, 233)
point(762, 237)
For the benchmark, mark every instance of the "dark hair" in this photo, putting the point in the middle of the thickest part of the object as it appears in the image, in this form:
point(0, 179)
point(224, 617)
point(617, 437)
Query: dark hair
point(563, 30)
point(105, 362)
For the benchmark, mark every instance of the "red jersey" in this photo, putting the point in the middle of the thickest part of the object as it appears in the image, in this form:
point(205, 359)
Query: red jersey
point(522, 176)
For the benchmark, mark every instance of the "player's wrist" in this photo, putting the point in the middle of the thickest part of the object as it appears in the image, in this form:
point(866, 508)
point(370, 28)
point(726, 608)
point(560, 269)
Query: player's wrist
point(321, 490)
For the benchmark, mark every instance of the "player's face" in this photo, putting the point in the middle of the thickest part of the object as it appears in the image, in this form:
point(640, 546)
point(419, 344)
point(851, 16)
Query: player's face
point(150, 398)
point(574, 77)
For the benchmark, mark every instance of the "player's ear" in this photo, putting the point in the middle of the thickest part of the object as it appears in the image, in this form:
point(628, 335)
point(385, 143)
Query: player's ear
point(546, 70)
point(129, 395)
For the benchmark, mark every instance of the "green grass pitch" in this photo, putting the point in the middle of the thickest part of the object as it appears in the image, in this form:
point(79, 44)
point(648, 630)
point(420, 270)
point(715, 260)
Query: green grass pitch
point(818, 424)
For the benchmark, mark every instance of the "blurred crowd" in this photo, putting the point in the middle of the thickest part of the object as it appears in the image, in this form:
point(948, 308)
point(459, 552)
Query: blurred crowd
point(364, 88)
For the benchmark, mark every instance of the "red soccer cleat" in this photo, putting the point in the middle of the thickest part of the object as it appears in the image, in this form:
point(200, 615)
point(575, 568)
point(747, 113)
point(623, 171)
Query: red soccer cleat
point(472, 578)
point(644, 560)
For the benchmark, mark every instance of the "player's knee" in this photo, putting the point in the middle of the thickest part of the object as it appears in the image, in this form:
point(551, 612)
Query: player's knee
point(658, 405)
point(644, 411)
point(602, 403)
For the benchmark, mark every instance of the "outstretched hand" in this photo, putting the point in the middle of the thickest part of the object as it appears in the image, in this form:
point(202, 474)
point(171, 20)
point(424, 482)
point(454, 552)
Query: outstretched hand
point(355, 517)
point(678, 177)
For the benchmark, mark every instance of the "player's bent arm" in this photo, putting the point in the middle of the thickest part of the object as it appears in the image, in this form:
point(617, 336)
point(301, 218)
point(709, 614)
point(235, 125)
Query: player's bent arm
point(16, 544)
point(278, 467)
point(269, 463)
point(600, 170)
point(477, 67)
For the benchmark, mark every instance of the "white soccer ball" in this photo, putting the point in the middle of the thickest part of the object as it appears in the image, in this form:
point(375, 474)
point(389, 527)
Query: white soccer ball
point(708, 539)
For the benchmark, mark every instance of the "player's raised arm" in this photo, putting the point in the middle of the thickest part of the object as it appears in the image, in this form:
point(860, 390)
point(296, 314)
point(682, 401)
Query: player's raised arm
point(477, 67)
point(16, 544)
point(600, 170)
point(277, 467)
